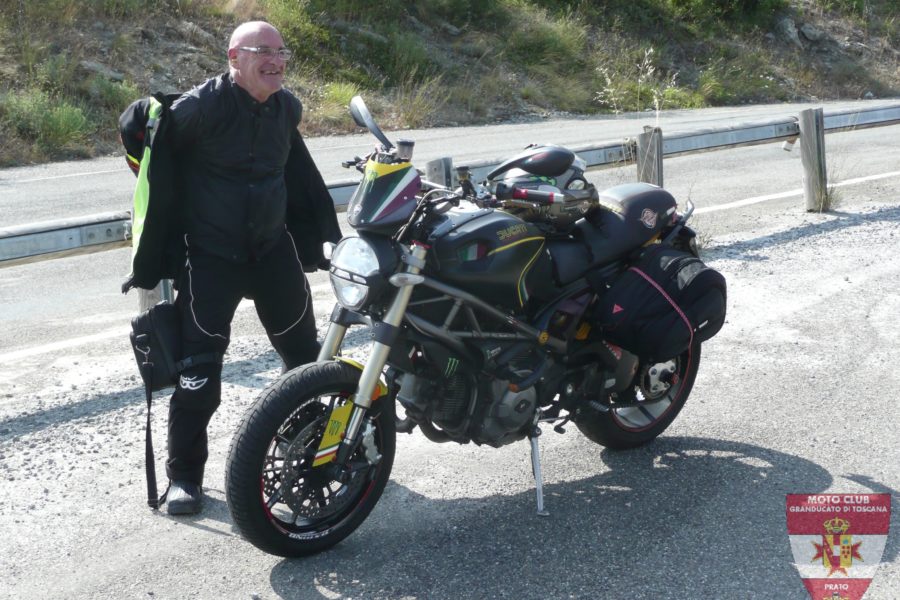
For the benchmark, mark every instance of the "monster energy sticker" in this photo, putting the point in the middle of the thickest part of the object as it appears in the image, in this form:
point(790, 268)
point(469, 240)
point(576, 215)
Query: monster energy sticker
point(452, 364)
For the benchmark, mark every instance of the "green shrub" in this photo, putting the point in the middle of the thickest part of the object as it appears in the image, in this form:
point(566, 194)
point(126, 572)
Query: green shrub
point(57, 75)
point(299, 32)
point(361, 11)
point(489, 16)
point(340, 93)
point(734, 13)
point(407, 58)
point(541, 38)
point(418, 100)
point(65, 127)
point(56, 126)
point(112, 95)
point(24, 111)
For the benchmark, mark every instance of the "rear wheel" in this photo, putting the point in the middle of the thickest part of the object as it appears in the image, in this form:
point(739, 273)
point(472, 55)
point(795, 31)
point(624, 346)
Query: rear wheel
point(279, 501)
point(639, 414)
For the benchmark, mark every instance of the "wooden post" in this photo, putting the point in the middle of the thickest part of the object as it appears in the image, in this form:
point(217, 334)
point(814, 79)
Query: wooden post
point(162, 292)
point(650, 156)
point(812, 155)
point(440, 171)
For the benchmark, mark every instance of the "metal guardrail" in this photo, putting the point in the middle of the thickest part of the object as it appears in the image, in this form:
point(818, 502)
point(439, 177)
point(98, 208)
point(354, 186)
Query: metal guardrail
point(53, 239)
point(64, 237)
point(615, 153)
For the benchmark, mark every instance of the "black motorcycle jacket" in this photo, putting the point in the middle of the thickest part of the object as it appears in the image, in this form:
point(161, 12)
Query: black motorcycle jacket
point(231, 173)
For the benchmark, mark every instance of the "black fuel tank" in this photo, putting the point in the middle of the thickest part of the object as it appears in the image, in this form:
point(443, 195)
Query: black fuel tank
point(492, 254)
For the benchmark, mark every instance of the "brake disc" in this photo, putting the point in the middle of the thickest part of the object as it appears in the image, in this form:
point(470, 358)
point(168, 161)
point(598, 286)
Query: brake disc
point(312, 492)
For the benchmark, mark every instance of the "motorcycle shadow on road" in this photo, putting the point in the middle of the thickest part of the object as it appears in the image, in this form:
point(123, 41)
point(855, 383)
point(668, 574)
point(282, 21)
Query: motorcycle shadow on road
point(681, 518)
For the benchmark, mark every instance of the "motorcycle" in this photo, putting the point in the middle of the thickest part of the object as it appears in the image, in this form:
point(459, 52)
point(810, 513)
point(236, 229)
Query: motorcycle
point(494, 309)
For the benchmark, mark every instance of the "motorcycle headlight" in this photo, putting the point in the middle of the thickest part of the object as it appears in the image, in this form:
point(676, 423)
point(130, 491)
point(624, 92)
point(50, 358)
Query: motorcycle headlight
point(353, 262)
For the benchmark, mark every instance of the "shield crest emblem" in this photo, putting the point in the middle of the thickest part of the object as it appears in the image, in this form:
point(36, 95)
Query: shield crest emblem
point(837, 541)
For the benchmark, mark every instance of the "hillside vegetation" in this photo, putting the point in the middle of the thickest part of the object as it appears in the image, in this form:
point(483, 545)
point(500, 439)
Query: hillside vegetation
point(69, 67)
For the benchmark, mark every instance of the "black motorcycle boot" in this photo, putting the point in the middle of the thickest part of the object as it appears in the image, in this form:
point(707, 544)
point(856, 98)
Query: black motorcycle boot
point(184, 498)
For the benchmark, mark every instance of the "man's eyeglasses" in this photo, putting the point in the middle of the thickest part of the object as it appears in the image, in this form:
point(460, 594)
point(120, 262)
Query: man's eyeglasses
point(282, 53)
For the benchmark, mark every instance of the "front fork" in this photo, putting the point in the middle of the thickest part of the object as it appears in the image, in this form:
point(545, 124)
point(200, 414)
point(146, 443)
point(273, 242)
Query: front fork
point(384, 333)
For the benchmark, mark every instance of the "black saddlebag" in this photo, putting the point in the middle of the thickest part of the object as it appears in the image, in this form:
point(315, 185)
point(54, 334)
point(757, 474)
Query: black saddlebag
point(662, 304)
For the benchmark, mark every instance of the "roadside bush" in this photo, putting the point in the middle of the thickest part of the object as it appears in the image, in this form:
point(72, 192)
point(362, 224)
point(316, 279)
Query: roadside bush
point(330, 108)
point(406, 58)
point(58, 12)
point(737, 12)
point(489, 15)
point(57, 75)
point(64, 128)
point(112, 95)
point(57, 127)
point(417, 101)
point(541, 38)
point(299, 32)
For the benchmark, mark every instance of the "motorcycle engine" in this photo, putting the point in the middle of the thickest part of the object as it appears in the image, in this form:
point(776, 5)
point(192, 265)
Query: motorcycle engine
point(458, 409)
point(509, 416)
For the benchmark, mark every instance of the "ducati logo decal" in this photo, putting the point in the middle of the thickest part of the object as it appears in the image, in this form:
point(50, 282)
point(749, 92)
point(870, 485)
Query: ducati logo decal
point(837, 541)
point(192, 383)
point(648, 218)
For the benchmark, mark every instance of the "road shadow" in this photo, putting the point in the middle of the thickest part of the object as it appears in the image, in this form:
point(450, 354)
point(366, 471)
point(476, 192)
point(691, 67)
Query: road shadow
point(749, 250)
point(680, 518)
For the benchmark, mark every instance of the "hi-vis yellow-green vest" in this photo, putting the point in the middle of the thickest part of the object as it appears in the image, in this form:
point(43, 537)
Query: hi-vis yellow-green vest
point(141, 197)
point(157, 249)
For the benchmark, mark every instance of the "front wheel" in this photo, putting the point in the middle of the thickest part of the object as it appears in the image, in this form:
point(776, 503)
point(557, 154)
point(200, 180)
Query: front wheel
point(279, 501)
point(648, 408)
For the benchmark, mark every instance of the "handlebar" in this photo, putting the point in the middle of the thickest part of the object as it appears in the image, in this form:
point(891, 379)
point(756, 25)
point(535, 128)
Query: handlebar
point(356, 162)
point(511, 192)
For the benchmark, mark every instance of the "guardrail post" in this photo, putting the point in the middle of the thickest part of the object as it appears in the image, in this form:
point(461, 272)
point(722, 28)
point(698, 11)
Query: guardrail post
point(440, 171)
point(812, 155)
point(650, 156)
point(163, 291)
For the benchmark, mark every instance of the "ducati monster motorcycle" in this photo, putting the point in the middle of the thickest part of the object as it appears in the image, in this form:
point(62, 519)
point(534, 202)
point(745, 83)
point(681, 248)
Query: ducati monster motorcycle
point(492, 312)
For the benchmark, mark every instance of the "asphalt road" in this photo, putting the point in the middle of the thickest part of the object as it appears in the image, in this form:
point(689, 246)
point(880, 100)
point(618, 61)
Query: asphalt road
point(72, 189)
point(794, 396)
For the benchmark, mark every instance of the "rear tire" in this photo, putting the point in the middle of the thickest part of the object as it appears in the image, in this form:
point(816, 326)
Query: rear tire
point(279, 502)
point(631, 426)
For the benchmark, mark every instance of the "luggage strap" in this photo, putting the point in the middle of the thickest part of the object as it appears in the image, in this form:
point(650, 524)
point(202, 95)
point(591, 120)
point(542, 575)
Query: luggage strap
point(153, 500)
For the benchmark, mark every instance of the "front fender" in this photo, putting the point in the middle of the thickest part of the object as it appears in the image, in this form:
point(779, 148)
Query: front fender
point(380, 390)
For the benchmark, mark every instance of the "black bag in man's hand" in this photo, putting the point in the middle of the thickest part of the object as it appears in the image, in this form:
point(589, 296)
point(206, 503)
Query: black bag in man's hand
point(156, 341)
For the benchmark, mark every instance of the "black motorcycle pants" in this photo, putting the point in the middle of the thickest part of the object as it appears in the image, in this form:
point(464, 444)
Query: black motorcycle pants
point(209, 291)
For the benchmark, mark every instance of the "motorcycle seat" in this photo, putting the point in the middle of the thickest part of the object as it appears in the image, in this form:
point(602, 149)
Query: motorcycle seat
point(628, 217)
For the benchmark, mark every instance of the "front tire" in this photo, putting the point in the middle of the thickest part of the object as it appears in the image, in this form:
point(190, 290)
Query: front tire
point(638, 423)
point(278, 500)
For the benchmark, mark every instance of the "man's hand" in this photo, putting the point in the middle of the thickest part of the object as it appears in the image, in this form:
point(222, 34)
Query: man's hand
point(322, 265)
point(128, 284)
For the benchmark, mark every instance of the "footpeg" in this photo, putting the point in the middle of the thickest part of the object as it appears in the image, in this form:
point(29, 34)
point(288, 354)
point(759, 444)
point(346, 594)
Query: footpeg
point(536, 470)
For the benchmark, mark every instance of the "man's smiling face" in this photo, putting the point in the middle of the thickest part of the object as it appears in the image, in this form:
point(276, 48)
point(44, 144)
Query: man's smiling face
point(260, 75)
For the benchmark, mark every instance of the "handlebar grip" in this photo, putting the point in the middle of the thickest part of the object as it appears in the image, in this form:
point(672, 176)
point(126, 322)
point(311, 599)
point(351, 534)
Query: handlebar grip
point(511, 192)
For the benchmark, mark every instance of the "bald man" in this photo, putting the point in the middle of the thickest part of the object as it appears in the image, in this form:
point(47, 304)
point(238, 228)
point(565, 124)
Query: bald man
point(251, 212)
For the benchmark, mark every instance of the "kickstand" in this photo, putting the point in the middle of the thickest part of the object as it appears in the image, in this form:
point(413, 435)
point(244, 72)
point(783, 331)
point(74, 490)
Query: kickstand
point(536, 470)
